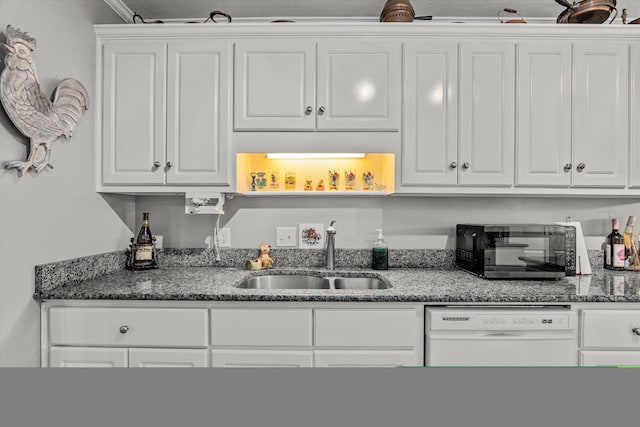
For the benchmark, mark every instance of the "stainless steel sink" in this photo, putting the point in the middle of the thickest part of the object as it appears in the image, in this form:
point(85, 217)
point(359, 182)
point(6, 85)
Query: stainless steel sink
point(300, 281)
point(285, 282)
point(358, 283)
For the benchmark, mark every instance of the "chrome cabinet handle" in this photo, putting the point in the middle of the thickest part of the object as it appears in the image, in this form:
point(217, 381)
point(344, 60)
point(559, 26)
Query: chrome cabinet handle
point(581, 167)
point(169, 164)
point(568, 167)
point(636, 331)
point(156, 164)
point(453, 165)
point(321, 110)
point(124, 329)
point(308, 110)
point(466, 165)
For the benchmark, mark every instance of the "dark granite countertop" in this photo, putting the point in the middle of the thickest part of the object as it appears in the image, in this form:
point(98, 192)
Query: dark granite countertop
point(407, 285)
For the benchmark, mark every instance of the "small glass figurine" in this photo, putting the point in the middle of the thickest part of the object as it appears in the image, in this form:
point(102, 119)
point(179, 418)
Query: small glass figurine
point(367, 181)
point(308, 185)
point(290, 181)
point(350, 180)
point(253, 181)
point(261, 181)
point(274, 180)
point(320, 186)
point(334, 179)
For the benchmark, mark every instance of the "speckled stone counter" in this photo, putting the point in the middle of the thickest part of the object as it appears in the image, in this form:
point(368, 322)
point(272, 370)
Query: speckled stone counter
point(406, 285)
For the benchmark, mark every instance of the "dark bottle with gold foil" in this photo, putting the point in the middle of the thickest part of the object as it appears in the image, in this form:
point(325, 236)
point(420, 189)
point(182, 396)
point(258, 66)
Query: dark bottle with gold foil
point(143, 252)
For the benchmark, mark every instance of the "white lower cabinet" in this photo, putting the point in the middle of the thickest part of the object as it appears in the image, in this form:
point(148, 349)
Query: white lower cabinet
point(167, 358)
point(609, 337)
point(255, 358)
point(365, 358)
point(88, 357)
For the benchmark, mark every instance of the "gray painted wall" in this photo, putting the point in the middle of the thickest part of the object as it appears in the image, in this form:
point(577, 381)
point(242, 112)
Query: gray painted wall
point(409, 222)
point(57, 214)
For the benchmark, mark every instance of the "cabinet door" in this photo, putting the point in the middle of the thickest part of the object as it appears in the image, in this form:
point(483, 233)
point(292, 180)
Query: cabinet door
point(611, 328)
point(634, 165)
point(365, 358)
point(487, 103)
point(359, 84)
point(262, 358)
point(600, 120)
point(610, 358)
point(274, 82)
point(167, 358)
point(197, 112)
point(429, 146)
point(133, 121)
point(544, 114)
point(87, 357)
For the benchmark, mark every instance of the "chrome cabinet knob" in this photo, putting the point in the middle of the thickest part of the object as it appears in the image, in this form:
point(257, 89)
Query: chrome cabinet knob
point(156, 164)
point(321, 110)
point(580, 167)
point(636, 331)
point(308, 110)
point(453, 165)
point(568, 167)
point(124, 329)
point(466, 165)
point(169, 164)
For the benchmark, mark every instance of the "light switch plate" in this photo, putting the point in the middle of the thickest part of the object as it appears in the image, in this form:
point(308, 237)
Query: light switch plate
point(286, 237)
point(224, 237)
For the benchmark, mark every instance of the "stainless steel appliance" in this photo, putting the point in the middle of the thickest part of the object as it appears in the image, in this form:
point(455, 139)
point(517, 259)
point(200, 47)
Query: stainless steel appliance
point(501, 336)
point(517, 251)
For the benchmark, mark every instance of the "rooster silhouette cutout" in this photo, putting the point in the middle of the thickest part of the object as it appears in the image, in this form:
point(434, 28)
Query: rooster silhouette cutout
point(36, 117)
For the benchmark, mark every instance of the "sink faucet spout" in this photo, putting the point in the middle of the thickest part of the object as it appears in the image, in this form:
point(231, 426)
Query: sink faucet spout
point(331, 246)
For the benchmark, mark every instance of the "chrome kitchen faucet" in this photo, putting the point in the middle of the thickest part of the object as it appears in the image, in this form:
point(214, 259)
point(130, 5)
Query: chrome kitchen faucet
point(331, 246)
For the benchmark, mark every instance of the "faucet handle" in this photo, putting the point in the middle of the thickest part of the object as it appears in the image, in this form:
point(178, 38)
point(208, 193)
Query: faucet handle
point(331, 229)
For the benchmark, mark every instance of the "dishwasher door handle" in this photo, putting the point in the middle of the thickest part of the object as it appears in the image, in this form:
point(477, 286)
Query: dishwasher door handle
point(564, 335)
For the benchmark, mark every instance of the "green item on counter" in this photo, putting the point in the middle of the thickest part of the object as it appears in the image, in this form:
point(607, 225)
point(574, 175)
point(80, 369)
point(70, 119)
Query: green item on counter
point(380, 253)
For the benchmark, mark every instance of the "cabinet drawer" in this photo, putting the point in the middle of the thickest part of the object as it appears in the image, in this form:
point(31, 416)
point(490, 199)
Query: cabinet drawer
point(610, 328)
point(366, 328)
point(262, 358)
point(610, 358)
point(365, 358)
point(127, 327)
point(88, 357)
point(261, 327)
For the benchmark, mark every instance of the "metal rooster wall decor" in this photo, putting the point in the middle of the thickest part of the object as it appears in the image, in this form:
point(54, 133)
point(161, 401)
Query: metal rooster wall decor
point(36, 117)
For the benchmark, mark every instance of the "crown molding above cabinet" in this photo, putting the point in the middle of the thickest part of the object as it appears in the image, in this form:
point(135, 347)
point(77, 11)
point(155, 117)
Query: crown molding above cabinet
point(470, 109)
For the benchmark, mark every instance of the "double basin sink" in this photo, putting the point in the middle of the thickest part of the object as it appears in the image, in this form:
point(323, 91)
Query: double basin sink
point(302, 281)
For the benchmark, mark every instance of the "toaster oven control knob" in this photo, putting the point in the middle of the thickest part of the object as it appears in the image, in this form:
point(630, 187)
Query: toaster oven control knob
point(308, 110)
point(466, 165)
point(580, 167)
point(568, 167)
point(124, 329)
point(453, 165)
point(636, 331)
point(321, 110)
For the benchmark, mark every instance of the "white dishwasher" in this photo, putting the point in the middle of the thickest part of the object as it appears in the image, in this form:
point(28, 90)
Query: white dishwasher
point(501, 336)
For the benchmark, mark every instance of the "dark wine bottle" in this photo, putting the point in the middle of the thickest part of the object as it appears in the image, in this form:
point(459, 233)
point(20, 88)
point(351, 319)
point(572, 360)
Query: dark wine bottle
point(615, 251)
point(143, 248)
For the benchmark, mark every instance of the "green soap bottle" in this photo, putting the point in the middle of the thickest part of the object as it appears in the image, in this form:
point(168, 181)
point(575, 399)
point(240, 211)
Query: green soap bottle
point(380, 253)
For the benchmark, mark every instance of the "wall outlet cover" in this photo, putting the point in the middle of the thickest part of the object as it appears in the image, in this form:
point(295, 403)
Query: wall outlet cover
point(286, 237)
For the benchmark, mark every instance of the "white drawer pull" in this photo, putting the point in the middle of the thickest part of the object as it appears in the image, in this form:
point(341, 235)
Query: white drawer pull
point(124, 329)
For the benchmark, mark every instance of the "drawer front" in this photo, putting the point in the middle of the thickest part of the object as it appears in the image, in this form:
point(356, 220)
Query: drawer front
point(351, 328)
point(365, 358)
point(610, 358)
point(261, 327)
point(261, 358)
point(88, 357)
point(611, 328)
point(128, 327)
point(168, 358)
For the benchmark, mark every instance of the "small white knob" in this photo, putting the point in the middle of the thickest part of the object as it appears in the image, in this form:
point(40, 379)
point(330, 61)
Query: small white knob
point(453, 165)
point(124, 329)
point(466, 165)
point(308, 110)
point(581, 167)
point(156, 164)
point(321, 110)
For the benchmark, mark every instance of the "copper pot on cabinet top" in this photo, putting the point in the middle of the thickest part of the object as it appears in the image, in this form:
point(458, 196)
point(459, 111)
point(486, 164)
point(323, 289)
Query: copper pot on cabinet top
point(587, 12)
point(397, 11)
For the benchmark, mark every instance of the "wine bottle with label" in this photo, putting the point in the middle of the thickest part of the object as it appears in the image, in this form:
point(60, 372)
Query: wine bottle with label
point(632, 257)
point(615, 251)
point(142, 250)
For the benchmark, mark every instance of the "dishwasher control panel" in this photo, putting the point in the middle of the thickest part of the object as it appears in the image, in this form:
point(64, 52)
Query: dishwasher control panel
point(500, 319)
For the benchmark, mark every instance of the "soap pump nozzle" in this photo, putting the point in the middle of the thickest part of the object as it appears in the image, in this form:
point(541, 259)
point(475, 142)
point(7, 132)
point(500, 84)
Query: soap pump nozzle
point(379, 230)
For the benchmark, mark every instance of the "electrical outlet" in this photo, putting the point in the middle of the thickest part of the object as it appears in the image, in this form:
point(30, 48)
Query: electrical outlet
point(224, 237)
point(286, 236)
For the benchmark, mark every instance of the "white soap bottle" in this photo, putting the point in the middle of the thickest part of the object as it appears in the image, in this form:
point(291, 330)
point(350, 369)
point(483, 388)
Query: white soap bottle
point(380, 259)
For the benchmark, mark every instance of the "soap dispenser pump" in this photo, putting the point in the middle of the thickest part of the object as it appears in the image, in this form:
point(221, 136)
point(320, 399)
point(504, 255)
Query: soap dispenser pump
point(380, 253)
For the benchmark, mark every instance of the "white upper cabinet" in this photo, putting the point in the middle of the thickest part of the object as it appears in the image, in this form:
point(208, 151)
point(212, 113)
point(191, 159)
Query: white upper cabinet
point(133, 127)
point(544, 114)
point(352, 85)
point(430, 138)
point(634, 164)
point(165, 112)
point(486, 116)
point(600, 113)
